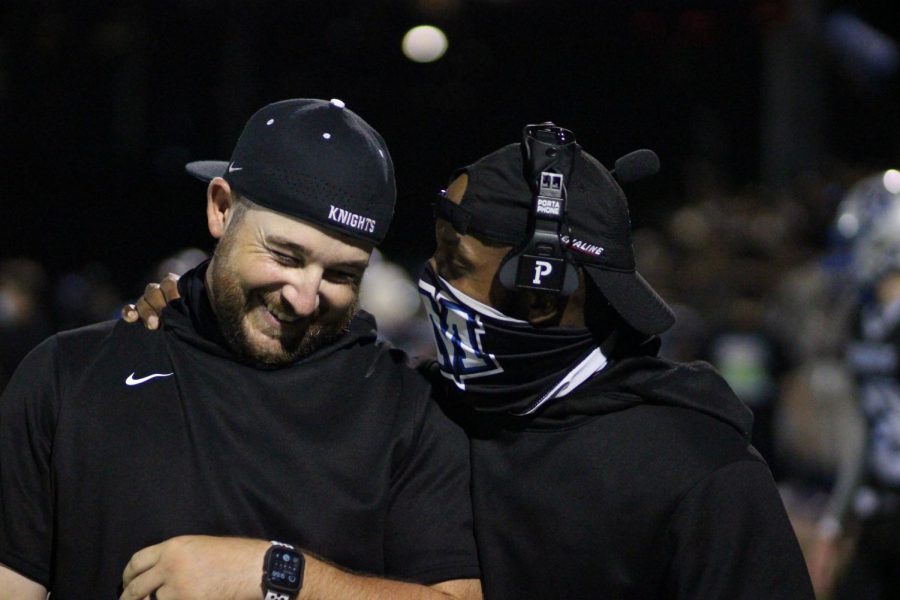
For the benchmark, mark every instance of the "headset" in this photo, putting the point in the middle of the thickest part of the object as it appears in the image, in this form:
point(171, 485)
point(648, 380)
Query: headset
point(541, 263)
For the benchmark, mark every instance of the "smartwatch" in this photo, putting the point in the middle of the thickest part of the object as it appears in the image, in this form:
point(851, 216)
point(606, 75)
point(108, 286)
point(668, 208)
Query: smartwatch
point(282, 572)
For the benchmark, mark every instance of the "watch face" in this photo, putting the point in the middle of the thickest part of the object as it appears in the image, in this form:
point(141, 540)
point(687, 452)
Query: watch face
point(283, 568)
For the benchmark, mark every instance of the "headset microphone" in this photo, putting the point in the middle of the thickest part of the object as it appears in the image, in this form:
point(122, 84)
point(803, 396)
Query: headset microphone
point(636, 165)
point(541, 263)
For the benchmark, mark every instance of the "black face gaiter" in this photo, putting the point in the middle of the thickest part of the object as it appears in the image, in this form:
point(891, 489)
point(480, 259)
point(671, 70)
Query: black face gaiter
point(501, 364)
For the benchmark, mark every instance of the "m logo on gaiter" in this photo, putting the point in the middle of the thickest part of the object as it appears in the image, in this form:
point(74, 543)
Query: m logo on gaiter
point(457, 337)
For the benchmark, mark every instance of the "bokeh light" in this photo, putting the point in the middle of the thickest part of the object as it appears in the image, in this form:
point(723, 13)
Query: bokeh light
point(891, 181)
point(424, 44)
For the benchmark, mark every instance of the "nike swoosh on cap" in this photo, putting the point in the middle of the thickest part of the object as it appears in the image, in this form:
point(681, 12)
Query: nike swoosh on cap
point(130, 380)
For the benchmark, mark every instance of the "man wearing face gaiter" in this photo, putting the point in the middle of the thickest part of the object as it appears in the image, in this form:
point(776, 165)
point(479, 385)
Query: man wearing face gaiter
point(598, 469)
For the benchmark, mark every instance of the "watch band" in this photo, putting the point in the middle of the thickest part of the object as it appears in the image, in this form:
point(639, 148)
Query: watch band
point(273, 595)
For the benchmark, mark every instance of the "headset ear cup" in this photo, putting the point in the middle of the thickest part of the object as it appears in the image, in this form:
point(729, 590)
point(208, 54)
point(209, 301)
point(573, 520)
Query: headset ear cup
point(508, 271)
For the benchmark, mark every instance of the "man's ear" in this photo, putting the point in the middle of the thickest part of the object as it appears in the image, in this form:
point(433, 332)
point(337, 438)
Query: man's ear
point(219, 204)
point(545, 309)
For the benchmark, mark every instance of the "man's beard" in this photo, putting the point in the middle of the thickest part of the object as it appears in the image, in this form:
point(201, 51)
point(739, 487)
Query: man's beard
point(232, 304)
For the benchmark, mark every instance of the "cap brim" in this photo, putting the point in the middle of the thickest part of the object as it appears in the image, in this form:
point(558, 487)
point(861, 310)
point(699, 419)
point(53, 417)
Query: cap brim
point(634, 299)
point(206, 170)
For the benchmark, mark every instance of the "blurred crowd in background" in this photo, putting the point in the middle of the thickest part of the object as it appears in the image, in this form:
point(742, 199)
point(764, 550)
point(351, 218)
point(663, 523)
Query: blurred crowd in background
point(761, 284)
point(757, 281)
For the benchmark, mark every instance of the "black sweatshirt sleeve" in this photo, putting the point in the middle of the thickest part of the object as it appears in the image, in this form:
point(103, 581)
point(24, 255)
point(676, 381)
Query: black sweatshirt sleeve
point(730, 538)
point(28, 410)
point(430, 537)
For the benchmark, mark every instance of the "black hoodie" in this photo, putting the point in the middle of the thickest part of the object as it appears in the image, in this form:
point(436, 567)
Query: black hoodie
point(113, 438)
point(640, 484)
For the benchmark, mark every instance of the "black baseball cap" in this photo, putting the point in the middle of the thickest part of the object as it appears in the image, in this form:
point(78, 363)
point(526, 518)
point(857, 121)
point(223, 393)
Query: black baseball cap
point(315, 160)
point(497, 203)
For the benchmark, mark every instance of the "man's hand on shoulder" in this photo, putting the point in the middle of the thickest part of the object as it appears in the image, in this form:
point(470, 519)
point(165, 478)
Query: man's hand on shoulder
point(148, 308)
point(194, 567)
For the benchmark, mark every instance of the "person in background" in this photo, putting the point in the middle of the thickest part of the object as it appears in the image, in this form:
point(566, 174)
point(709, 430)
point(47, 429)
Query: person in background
point(23, 318)
point(865, 500)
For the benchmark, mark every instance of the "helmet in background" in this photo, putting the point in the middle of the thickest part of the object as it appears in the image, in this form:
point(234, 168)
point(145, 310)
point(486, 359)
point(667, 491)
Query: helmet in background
point(868, 220)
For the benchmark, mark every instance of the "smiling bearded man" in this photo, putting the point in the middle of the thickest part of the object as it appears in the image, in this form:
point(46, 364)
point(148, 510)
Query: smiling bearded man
point(265, 408)
point(258, 322)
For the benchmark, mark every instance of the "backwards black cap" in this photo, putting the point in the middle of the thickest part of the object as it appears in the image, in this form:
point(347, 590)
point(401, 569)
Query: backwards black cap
point(496, 207)
point(315, 160)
